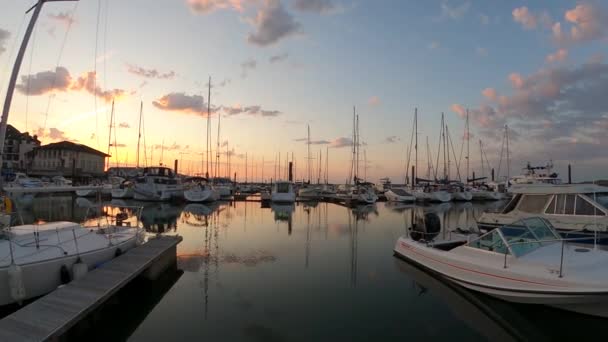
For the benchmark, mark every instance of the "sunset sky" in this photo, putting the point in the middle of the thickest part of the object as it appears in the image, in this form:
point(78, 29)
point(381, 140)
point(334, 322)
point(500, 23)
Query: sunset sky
point(276, 66)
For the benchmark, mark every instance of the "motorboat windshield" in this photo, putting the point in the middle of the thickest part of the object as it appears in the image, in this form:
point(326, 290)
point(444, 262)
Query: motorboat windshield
point(518, 238)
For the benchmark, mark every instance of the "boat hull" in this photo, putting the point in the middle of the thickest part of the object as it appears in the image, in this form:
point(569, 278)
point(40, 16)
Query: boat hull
point(505, 283)
point(142, 193)
point(125, 193)
point(462, 196)
point(200, 196)
point(393, 197)
point(435, 196)
point(283, 197)
point(40, 278)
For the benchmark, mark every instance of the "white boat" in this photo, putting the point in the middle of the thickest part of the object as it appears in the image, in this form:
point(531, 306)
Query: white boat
point(398, 195)
point(357, 194)
point(568, 207)
point(486, 195)
point(200, 191)
point(460, 193)
point(535, 175)
point(282, 192)
point(23, 181)
point(309, 193)
point(104, 189)
point(525, 262)
point(36, 259)
point(124, 190)
point(431, 194)
point(158, 184)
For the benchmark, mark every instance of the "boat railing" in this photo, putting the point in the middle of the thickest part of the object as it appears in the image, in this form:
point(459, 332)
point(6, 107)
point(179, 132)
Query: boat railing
point(563, 243)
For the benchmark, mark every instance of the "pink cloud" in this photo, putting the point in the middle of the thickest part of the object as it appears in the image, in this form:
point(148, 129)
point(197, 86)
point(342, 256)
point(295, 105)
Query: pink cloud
point(374, 101)
point(459, 109)
point(208, 6)
point(523, 16)
point(490, 94)
point(516, 80)
point(559, 56)
point(588, 22)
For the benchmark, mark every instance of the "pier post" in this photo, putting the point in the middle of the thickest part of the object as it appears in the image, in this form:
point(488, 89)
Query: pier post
point(413, 176)
point(175, 166)
point(492, 174)
point(569, 174)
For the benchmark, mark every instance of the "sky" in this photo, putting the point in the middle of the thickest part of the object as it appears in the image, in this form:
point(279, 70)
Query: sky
point(277, 66)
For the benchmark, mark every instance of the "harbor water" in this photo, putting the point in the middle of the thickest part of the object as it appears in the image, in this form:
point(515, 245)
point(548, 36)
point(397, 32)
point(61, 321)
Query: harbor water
point(304, 272)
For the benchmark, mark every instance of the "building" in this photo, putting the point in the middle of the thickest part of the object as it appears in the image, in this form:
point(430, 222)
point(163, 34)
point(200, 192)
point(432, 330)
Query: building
point(66, 159)
point(16, 147)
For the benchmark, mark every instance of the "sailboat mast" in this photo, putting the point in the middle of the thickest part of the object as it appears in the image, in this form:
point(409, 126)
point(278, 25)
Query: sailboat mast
point(245, 167)
point(326, 164)
point(445, 165)
point(308, 157)
point(481, 158)
point(110, 133)
point(468, 137)
point(508, 160)
point(447, 144)
point(320, 165)
point(415, 146)
point(208, 126)
point(352, 166)
point(141, 109)
point(217, 154)
point(357, 146)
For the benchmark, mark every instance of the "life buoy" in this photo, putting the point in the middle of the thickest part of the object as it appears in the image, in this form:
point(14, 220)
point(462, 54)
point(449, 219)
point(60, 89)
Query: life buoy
point(8, 205)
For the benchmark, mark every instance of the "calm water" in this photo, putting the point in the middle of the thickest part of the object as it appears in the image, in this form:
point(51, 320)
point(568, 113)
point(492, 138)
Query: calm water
point(317, 272)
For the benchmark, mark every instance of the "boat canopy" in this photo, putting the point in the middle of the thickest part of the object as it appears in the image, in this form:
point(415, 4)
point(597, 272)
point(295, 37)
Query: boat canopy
point(518, 238)
point(578, 204)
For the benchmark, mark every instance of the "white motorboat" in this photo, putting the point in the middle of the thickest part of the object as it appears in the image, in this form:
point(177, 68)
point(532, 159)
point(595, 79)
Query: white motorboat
point(568, 207)
point(224, 186)
point(526, 262)
point(460, 193)
point(535, 175)
point(158, 184)
point(201, 191)
point(357, 194)
point(124, 190)
point(399, 195)
point(282, 192)
point(36, 259)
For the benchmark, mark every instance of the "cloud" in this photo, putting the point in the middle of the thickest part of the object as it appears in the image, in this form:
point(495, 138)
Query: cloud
point(181, 102)
point(249, 110)
point(517, 81)
point(272, 24)
point(559, 56)
point(278, 58)
point(490, 94)
point(149, 73)
point(248, 65)
point(523, 16)
point(374, 101)
point(483, 52)
point(64, 18)
point(208, 6)
point(315, 6)
point(587, 21)
point(45, 82)
point(459, 109)
point(88, 82)
point(118, 145)
point(341, 142)
point(4, 34)
point(455, 12)
point(124, 125)
point(392, 139)
point(53, 134)
point(320, 142)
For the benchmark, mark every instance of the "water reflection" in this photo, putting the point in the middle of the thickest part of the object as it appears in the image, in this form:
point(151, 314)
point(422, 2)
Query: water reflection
point(251, 270)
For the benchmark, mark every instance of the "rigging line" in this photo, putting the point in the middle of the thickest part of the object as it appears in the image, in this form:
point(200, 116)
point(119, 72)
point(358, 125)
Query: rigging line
point(95, 73)
point(438, 150)
point(501, 154)
point(61, 49)
point(409, 154)
point(29, 75)
point(451, 143)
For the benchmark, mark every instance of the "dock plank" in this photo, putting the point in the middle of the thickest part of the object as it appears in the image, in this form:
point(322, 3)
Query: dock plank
point(55, 313)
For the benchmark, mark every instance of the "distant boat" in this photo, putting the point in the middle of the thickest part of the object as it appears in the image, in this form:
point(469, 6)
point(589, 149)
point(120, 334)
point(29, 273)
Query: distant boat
point(282, 192)
point(124, 190)
point(398, 195)
point(158, 184)
point(199, 190)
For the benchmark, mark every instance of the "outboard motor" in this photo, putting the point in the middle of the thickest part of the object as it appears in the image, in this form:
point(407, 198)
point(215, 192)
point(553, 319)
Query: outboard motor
point(426, 229)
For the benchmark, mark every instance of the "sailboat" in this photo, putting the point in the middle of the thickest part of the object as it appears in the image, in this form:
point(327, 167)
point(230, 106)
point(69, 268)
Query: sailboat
point(200, 190)
point(308, 192)
point(125, 189)
point(36, 259)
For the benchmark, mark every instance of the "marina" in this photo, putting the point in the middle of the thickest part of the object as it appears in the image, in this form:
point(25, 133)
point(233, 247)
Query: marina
point(255, 206)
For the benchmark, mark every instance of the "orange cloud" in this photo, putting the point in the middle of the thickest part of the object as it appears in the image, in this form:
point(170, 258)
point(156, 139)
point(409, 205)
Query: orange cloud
point(459, 109)
point(517, 81)
point(523, 16)
point(374, 101)
point(490, 94)
point(589, 22)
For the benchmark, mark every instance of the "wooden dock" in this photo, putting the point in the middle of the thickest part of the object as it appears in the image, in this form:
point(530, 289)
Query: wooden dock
point(51, 316)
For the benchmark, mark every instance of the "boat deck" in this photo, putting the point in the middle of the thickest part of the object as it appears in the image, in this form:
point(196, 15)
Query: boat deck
point(53, 315)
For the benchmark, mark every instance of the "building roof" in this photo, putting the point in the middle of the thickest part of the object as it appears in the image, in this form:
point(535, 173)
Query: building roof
point(70, 146)
point(13, 133)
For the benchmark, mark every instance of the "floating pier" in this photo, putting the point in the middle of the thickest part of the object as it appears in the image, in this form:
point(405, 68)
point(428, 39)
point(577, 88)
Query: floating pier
point(52, 316)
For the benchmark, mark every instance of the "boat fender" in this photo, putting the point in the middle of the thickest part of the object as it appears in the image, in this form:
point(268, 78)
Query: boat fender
point(118, 252)
point(79, 269)
point(15, 282)
point(64, 274)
